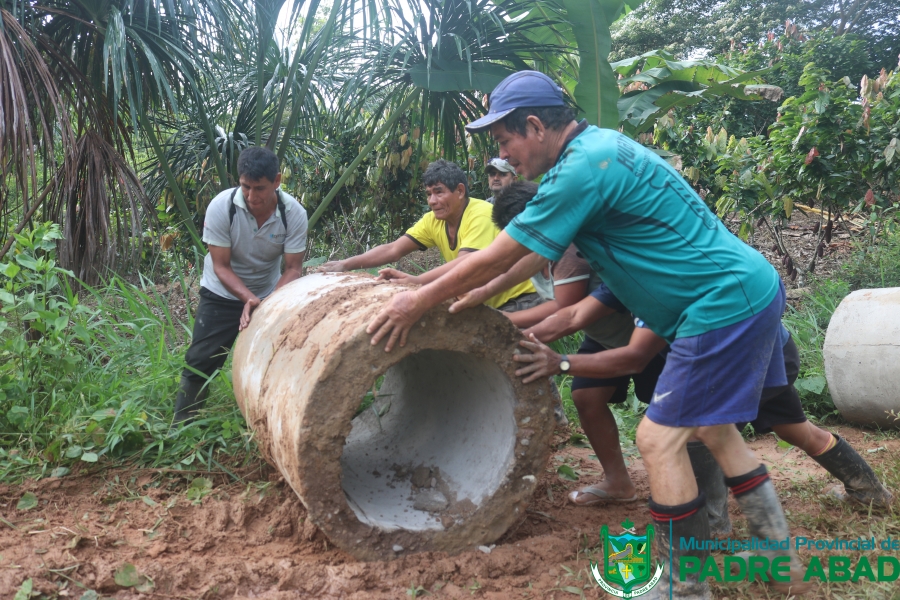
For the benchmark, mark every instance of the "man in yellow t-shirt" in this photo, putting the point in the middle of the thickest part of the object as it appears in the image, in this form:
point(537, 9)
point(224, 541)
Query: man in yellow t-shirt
point(457, 225)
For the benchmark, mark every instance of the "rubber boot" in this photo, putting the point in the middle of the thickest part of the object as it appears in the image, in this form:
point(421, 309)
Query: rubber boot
point(191, 396)
point(756, 496)
point(861, 485)
point(687, 521)
point(711, 481)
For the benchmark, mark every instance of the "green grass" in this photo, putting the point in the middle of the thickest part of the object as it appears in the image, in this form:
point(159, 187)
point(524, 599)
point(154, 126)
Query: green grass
point(94, 382)
point(98, 388)
point(873, 267)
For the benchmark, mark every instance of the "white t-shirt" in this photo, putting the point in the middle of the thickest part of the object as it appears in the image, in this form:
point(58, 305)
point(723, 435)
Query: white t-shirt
point(255, 251)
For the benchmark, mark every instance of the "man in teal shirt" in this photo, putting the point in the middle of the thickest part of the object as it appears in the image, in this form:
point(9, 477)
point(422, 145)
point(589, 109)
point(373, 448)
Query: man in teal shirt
point(667, 257)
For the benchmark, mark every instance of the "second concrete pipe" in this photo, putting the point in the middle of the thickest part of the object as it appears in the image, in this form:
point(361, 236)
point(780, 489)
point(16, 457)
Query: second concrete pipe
point(447, 456)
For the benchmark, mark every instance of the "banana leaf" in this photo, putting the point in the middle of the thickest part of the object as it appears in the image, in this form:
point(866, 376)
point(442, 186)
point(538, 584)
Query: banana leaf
point(668, 83)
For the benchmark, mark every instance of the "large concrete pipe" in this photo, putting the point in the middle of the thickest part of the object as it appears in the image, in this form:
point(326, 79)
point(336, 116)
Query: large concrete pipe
point(862, 357)
point(447, 456)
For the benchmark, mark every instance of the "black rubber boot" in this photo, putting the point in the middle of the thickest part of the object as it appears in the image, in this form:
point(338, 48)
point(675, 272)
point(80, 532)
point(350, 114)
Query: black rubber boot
point(861, 485)
point(191, 396)
point(756, 496)
point(711, 481)
point(686, 521)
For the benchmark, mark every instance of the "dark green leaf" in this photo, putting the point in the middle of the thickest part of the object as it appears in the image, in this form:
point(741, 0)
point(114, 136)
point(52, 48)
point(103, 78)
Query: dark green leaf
point(597, 90)
point(18, 416)
point(579, 440)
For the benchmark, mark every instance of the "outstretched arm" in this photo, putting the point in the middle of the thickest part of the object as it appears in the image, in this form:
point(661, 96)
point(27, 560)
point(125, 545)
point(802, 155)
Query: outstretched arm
point(569, 320)
point(377, 256)
point(633, 358)
point(521, 271)
point(398, 276)
point(402, 311)
point(565, 295)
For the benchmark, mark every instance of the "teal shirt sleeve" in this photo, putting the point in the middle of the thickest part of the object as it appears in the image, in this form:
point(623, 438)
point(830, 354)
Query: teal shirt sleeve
point(565, 201)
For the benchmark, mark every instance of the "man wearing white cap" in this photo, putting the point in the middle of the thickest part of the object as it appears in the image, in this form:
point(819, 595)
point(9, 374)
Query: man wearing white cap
point(499, 174)
point(660, 249)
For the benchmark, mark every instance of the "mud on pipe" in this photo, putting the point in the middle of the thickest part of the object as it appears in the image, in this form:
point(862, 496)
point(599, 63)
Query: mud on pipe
point(448, 454)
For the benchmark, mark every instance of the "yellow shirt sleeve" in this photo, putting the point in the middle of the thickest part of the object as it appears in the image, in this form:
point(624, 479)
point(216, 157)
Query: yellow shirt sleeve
point(423, 232)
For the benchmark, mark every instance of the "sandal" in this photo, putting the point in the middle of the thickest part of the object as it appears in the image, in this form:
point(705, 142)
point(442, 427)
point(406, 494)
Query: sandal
point(601, 495)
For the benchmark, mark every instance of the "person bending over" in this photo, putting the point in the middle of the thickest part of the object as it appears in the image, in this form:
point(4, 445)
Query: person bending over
point(248, 230)
point(661, 250)
point(780, 410)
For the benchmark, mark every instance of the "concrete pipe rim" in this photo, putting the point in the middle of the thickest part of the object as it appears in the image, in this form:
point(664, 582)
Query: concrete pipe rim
point(319, 476)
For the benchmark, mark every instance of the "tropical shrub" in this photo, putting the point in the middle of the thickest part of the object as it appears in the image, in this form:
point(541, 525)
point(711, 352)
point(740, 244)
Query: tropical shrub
point(831, 148)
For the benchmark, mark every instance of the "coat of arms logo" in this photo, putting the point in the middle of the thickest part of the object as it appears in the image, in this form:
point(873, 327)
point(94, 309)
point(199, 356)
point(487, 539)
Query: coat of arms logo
point(627, 562)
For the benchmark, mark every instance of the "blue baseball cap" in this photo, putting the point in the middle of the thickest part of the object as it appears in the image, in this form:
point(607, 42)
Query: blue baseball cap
point(519, 90)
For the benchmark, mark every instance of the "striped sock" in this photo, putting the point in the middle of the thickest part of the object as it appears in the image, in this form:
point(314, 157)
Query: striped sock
point(663, 514)
point(747, 482)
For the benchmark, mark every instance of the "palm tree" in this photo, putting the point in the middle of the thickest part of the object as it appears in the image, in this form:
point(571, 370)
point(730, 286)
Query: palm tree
point(436, 59)
point(110, 63)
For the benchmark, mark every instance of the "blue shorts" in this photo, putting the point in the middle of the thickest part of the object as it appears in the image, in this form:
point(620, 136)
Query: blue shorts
point(718, 377)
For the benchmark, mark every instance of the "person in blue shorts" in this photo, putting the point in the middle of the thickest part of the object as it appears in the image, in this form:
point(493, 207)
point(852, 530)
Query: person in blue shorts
point(780, 408)
point(666, 256)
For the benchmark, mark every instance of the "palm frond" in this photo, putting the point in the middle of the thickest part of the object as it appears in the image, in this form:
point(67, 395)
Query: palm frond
point(33, 115)
point(103, 210)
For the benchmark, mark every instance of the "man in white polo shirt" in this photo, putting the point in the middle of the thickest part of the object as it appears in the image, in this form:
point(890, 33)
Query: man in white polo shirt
point(248, 230)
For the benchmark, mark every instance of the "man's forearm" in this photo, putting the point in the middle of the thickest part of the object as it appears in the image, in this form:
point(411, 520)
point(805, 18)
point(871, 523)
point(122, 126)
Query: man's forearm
point(608, 364)
point(376, 257)
point(554, 327)
point(233, 283)
point(478, 269)
point(438, 272)
point(288, 276)
point(533, 316)
point(521, 271)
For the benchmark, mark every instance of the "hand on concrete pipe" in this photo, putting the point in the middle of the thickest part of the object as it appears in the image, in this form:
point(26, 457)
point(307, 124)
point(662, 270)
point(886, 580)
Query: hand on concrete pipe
point(396, 319)
point(470, 299)
point(543, 362)
point(332, 266)
point(251, 304)
point(397, 276)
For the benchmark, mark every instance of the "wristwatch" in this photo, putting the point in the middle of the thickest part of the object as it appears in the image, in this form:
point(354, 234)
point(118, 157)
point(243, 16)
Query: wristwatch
point(564, 364)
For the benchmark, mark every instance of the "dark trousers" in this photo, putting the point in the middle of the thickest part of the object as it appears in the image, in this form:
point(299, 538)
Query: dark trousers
point(215, 329)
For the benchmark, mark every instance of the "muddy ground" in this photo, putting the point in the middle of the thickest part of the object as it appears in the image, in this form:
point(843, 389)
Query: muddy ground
point(118, 532)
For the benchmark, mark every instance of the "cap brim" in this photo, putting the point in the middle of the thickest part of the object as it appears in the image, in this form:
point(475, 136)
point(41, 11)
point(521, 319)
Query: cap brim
point(485, 122)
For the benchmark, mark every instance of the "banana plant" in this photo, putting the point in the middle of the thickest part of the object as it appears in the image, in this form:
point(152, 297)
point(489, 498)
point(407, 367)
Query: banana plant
point(597, 91)
point(655, 82)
